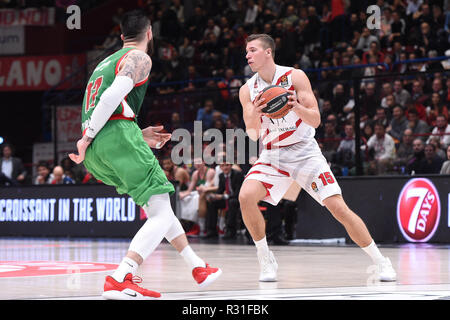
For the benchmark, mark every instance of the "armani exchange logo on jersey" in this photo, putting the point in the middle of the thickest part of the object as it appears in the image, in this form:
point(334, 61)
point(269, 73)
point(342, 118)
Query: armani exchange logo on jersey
point(281, 129)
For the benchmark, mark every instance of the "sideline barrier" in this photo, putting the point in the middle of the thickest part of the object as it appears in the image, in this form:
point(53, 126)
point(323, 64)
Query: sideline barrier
point(67, 211)
point(422, 214)
point(396, 209)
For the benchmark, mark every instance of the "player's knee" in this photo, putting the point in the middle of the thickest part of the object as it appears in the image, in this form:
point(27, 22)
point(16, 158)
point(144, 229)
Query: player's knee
point(159, 206)
point(338, 208)
point(245, 198)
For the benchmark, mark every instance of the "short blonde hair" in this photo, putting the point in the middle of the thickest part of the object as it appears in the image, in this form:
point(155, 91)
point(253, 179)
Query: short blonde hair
point(267, 41)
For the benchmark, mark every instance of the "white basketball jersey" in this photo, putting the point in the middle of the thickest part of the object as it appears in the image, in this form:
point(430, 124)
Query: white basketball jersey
point(290, 129)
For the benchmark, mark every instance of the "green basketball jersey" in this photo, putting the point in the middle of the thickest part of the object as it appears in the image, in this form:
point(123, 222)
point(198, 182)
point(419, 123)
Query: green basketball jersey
point(102, 77)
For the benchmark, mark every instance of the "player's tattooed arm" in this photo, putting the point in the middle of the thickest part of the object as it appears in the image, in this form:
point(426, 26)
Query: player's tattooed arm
point(136, 65)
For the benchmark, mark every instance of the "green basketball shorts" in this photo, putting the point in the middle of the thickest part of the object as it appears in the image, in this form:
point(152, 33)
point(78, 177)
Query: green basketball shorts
point(120, 157)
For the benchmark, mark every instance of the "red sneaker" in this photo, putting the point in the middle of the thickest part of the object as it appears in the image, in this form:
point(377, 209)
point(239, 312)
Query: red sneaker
point(194, 232)
point(220, 231)
point(206, 276)
point(127, 290)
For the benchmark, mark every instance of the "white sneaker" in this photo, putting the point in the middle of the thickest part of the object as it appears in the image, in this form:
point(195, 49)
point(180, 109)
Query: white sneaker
point(268, 266)
point(386, 272)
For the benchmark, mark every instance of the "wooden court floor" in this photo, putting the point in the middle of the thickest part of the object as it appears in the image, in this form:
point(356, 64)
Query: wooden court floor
point(75, 269)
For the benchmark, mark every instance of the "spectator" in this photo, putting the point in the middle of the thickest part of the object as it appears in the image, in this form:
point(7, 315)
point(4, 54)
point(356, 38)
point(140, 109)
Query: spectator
point(229, 85)
point(445, 169)
point(405, 151)
point(414, 163)
point(178, 7)
point(12, 171)
point(202, 181)
point(345, 154)
point(431, 163)
point(418, 95)
point(175, 174)
point(387, 91)
point(186, 51)
point(419, 127)
point(365, 40)
point(438, 147)
point(206, 113)
point(340, 99)
point(436, 108)
point(77, 171)
point(251, 13)
point(211, 27)
point(290, 15)
point(369, 100)
point(59, 177)
point(426, 40)
point(112, 41)
point(442, 131)
point(374, 50)
point(413, 6)
point(43, 173)
point(175, 122)
point(437, 87)
point(386, 24)
point(401, 95)
point(331, 141)
point(196, 24)
point(226, 198)
point(380, 116)
point(367, 131)
point(398, 124)
point(383, 147)
point(398, 28)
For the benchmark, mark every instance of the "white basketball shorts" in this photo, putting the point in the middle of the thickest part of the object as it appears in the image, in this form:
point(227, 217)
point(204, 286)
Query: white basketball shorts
point(302, 162)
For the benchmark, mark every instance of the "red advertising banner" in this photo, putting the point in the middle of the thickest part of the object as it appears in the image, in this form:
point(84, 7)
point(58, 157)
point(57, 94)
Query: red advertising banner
point(27, 17)
point(69, 123)
point(36, 73)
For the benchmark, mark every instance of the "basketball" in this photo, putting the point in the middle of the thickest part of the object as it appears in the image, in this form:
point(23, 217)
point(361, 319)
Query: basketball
point(276, 98)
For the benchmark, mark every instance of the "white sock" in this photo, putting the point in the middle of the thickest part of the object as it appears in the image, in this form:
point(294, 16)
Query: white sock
point(261, 245)
point(126, 266)
point(222, 223)
point(191, 258)
point(201, 224)
point(374, 253)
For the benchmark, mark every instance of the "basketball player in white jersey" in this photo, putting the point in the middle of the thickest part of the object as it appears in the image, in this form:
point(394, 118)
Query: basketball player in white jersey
point(290, 153)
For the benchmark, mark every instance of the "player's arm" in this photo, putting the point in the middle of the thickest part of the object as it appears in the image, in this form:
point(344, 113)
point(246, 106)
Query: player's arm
point(209, 185)
point(182, 175)
point(251, 112)
point(135, 68)
point(305, 104)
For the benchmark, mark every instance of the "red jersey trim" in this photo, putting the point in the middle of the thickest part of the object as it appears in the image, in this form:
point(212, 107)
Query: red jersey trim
point(286, 74)
point(285, 173)
point(141, 82)
point(120, 60)
point(120, 117)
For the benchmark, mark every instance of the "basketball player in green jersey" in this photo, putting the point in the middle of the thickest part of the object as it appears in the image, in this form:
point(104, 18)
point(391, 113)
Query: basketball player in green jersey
point(116, 151)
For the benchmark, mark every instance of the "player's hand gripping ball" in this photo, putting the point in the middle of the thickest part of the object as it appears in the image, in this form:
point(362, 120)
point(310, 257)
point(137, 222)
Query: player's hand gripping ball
point(277, 102)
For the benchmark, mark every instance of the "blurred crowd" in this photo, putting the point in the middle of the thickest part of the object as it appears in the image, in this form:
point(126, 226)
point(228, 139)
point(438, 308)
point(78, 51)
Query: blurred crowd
point(199, 64)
